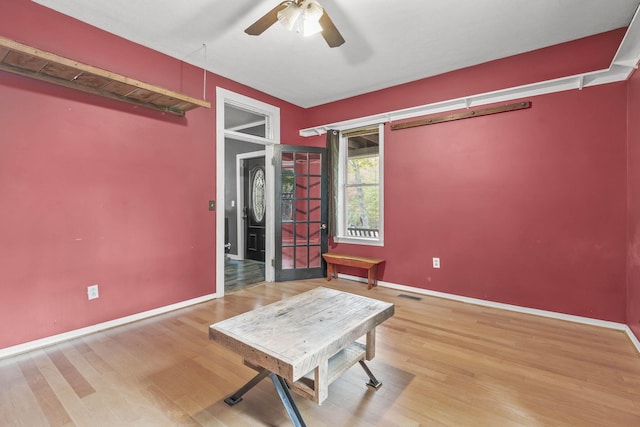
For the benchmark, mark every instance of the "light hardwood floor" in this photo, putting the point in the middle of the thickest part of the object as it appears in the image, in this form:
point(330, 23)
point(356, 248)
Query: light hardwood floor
point(441, 363)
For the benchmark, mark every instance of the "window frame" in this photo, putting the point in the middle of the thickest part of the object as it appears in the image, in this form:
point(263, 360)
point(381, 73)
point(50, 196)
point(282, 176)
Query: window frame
point(341, 208)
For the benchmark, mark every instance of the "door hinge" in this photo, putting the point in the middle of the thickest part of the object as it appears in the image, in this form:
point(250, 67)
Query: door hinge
point(273, 262)
point(273, 161)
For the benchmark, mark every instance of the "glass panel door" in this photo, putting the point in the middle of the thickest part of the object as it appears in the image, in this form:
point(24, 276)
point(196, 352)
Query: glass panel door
point(301, 212)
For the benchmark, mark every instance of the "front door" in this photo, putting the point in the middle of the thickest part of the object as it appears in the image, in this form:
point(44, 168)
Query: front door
point(254, 208)
point(301, 211)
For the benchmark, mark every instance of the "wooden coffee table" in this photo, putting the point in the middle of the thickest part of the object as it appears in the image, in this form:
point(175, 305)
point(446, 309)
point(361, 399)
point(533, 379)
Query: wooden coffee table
point(304, 343)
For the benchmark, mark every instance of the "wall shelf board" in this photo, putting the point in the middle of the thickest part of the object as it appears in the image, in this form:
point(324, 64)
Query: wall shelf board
point(24, 60)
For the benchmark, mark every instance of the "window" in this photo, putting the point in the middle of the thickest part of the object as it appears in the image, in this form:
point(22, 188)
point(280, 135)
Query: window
point(245, 121)
point(360, 205)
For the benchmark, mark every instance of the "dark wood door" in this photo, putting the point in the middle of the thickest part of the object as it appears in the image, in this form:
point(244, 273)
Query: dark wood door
point(301, 211)
point(254, 208)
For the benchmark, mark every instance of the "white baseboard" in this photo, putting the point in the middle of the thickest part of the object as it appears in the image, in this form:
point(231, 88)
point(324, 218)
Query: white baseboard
point(44, 342)
point(510, 307)
point(633, 338)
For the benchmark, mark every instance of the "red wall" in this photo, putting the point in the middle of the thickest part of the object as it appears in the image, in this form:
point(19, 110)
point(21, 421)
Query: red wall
point(633, 149)
point(525, 208)
point(97, 191)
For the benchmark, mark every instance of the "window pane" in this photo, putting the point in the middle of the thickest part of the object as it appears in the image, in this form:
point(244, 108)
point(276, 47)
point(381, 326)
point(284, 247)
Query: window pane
point(288, 183)
point(363, 160)
point(302, 210)
point(244, 121)
point(302, 163)
point(302, 236)
point(361, 189)
point(287, 210)
point(314, 256)
point(314, 233)
point(314, 210)
point(315, 164)
point(315, 187)
point(287, 234)
point(288, 186)
point(363, 208)
point(302, 187)
point(302, 257)
point(287, 258)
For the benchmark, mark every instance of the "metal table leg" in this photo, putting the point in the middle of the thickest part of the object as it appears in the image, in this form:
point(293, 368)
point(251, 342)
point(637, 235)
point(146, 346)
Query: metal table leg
point(287, 400)
point(373, 382)
point(283, 392)
point(237, 396)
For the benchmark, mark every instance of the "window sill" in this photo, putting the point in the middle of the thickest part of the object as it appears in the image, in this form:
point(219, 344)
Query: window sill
point(358, 241)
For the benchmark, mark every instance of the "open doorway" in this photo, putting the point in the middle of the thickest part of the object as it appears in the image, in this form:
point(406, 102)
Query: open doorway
point(246, 129)
point(245, 215)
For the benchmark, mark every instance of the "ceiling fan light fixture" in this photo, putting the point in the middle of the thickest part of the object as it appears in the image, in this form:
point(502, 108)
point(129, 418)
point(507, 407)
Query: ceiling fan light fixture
point(290, 15)
point(310, 20)
point(304, 16)
point(310, 28)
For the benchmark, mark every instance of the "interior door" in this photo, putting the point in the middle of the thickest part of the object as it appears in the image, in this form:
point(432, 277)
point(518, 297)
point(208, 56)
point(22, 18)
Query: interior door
point(301, 211)
point(254, 208)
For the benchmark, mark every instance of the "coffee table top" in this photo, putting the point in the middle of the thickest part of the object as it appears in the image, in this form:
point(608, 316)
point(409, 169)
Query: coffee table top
point(290, 337)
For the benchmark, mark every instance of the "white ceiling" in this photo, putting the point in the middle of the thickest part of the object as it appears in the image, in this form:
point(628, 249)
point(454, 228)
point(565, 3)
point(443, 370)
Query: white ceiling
point(388, 42)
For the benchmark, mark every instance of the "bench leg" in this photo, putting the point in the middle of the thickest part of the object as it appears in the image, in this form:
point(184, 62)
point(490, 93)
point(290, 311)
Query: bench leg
point(372, 276)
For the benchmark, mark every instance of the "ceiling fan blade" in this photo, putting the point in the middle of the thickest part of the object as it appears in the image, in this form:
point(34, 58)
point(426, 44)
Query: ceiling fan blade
point(329, 31)
point(266, 21)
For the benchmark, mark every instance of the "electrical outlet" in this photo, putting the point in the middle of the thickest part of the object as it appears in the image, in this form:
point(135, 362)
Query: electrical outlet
point(92, 292)
point(436, 263)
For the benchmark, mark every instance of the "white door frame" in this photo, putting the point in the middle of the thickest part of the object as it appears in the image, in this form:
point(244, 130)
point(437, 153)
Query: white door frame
point(226, 97)
point(240, 197)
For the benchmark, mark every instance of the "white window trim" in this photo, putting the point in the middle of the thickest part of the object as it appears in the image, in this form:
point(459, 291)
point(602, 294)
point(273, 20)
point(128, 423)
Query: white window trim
point(340, 238)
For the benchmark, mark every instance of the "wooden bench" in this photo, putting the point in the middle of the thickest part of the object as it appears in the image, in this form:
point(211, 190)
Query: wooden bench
point(370, 264)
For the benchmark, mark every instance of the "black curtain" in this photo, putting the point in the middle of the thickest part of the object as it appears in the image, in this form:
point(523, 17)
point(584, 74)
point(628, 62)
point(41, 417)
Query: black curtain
point(333, 141)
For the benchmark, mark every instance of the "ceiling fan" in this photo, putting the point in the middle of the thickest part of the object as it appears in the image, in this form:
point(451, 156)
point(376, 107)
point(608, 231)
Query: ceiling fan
point(304, 16)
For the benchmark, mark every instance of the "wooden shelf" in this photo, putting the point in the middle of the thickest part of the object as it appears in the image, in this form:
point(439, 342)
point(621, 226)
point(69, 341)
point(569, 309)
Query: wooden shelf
point(27, 61)
point(338, 364)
